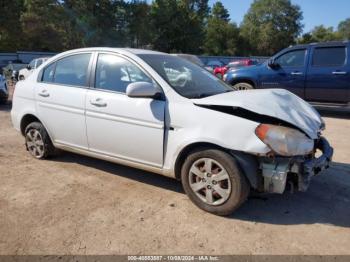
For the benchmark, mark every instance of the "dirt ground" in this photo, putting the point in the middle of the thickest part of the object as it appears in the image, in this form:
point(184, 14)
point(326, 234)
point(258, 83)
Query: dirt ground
point(78, 205)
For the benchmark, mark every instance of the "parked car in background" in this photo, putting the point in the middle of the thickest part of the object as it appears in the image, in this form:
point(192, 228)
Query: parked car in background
point(25, 72)
point(11, 71)
point(4, 94)
point(221, 71)
point(211, 65)
point(176, 126)
point(317, 72)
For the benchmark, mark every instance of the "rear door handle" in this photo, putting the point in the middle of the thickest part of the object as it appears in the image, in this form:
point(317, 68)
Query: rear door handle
point(339, 73)
point(44, 93)
point(98, 102)
point(296, 73)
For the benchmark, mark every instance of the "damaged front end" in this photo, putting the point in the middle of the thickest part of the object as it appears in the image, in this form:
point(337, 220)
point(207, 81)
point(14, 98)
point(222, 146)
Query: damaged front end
point(288, 126)
point(296, 171)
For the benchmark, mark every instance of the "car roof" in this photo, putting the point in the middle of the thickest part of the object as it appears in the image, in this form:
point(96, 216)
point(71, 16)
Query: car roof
point(325, 44)
point(114, 49)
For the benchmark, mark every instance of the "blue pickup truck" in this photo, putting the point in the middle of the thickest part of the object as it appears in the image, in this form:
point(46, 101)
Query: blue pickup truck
point(315, 72)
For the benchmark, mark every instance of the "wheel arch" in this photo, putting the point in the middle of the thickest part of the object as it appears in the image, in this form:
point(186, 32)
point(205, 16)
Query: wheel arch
point(244, 80)
point(26, 120)
point(247, 163)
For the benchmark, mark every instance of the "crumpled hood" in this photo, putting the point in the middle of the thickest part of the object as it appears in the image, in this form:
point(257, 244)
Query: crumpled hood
point(278, 103)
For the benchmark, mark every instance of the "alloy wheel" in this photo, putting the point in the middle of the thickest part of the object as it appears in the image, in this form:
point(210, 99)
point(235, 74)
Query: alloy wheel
point(35, 143)
point(210, 181)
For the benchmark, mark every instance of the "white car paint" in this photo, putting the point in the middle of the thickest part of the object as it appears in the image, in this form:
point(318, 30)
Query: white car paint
point(278, 103)
point(147, 133)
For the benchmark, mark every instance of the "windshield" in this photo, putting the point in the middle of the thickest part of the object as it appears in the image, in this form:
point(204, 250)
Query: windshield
point(186, 78)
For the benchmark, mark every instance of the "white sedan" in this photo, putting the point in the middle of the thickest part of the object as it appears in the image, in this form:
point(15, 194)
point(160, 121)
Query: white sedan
point(128, 106)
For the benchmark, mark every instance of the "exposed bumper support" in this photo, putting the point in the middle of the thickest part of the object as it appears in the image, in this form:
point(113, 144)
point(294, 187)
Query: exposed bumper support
point(275, 171)
point(316, 165)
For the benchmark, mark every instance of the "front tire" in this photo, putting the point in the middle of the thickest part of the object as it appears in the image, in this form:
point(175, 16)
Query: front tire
point(242, 86)
point(38, 142)
point(213, 181)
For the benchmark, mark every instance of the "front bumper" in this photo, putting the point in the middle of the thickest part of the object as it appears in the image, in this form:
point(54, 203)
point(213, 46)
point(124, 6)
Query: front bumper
point(296, 170)
point(314, 166)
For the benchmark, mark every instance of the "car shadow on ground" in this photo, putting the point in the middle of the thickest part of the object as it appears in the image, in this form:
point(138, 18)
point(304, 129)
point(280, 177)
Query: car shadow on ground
point(326, 202)
point(123, 171)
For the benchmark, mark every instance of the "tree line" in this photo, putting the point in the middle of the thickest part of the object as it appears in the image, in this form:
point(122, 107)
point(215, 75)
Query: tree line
point(186, 26)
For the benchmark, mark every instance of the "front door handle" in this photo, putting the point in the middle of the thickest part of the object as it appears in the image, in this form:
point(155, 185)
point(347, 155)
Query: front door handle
point(98, 102)
point(44, 93)
point(296, 73)
point(339, 73)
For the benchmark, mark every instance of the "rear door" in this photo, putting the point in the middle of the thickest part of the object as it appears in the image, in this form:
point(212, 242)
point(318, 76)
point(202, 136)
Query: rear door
point(60, 98)
point(328, 76)
point(290, 73)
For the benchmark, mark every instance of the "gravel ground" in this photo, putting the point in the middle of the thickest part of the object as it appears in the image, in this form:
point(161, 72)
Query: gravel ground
point(78, 205)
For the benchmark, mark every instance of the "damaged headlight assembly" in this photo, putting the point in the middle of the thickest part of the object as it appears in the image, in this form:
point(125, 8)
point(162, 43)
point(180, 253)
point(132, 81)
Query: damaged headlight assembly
point(285, 141)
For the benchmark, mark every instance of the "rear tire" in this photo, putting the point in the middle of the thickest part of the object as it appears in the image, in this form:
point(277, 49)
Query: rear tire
point(38, 142)
point(220, 187)
point(242, 86)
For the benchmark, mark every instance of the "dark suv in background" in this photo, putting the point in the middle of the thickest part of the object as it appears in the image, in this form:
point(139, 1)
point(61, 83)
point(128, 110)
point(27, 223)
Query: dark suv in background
point(316, 72)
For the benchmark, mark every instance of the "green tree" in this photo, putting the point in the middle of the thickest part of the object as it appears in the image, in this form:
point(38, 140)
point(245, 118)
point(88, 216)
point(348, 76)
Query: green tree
point(319, 34)
point(179, 25)
point(344, 29)
point(42, 25)
point(10, 28)
point(222, 37)
point(100, 22)
point(271, 25)
point(220, 12)
point(139, 24)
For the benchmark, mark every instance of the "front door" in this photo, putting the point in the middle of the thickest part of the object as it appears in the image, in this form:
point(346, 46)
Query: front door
point(60, 96)
point(289, 73)
point(117, 125)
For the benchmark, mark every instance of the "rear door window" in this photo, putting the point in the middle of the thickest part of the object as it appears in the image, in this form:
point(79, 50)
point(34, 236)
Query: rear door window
point(329, 56)
point(72, 70)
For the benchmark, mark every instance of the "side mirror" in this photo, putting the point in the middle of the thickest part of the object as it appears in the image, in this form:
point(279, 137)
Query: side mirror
point(272, 64)
point(142, 89)
point(29, 67)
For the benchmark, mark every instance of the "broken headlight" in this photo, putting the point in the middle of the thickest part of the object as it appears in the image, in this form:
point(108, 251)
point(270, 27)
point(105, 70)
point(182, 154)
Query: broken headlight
point(285, 141)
